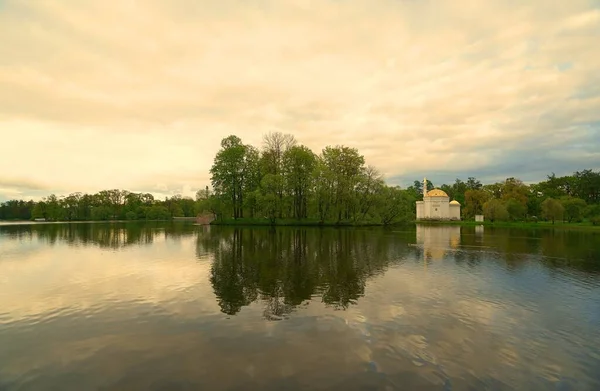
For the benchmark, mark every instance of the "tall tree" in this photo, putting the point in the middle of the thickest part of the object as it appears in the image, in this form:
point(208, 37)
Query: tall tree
point(299, 163)
point(228, 173)
point(474, 201)
point(275, 146)
point(345, 165)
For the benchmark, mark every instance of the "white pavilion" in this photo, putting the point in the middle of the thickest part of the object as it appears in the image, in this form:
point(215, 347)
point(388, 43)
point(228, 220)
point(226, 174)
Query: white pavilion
point(436, 205)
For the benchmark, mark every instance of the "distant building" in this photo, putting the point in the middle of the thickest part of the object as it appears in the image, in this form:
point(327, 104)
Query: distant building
point(436, 205)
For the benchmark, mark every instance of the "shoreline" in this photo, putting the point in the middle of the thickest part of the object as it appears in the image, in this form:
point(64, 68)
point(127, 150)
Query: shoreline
point(331, 224)
point(516, 224)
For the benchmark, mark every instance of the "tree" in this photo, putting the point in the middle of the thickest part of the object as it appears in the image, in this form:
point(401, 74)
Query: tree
point(474, 201)
point(418, 187)
point(494, 189)
point(515, 189)
point(516, 210)
point(473, 184)
point(228, 173)
point(494, 210)
point(573, 208)
point(275, 145)
point(458, 190)
point(552, 209)
point(203, 194)
point(586, 185)
point(344, 166)
point(369, 187)
point(269, 199)
point(299, 163)
point(395, 204)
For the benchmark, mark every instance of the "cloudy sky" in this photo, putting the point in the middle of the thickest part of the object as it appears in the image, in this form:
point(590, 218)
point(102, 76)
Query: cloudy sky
point(138, 94)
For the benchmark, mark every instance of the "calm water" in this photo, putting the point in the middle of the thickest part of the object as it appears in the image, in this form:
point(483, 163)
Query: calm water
point(184, 307)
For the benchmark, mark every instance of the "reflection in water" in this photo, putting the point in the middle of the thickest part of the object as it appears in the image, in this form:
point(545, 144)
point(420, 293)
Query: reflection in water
point(174, 306)
point(479, 230)
point(436, 240)
point(285, 267)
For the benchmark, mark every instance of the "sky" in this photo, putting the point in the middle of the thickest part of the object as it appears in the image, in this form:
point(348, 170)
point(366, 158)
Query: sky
point(137, 95)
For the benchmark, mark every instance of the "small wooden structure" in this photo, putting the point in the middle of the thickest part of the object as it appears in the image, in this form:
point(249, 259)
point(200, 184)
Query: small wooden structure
point(205, 219)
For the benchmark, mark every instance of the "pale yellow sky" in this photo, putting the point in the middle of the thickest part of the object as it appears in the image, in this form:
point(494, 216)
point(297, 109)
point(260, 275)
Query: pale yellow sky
point(138, 94)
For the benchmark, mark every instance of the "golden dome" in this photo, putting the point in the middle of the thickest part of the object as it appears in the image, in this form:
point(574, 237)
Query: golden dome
point(437, 193)
point(454, 202)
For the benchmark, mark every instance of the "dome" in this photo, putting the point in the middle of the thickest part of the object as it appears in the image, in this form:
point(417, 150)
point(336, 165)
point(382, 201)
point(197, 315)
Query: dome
point(437, 193)
point(454, 202)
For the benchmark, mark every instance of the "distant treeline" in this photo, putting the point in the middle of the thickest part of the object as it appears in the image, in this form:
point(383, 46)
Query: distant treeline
point(286, 182)
point(104, 205)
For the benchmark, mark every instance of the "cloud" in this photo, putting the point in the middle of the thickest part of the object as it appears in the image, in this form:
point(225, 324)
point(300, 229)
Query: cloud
point(140, 95)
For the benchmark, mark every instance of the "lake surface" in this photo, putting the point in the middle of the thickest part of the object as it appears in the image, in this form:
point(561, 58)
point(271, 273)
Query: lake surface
point(175, 306)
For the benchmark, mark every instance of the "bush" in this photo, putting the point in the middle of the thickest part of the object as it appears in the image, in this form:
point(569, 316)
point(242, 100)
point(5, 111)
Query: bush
point(595, 220)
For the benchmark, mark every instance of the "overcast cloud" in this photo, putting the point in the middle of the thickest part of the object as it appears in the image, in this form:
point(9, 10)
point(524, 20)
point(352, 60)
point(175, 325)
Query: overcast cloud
point(138, 94)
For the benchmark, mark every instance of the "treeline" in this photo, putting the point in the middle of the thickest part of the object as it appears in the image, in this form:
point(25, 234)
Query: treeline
point(571, 198)
point(285, 180)
point(105, 205)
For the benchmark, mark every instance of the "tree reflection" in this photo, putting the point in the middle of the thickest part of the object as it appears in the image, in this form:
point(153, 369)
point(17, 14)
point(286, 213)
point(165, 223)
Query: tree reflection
point(284, 267)
point(105, 235)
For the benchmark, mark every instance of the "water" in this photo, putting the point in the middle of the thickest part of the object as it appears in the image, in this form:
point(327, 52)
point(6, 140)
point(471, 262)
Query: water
point(174, 306)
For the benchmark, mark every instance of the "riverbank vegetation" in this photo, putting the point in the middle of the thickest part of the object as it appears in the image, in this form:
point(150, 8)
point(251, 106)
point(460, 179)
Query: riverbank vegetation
point(286, 183)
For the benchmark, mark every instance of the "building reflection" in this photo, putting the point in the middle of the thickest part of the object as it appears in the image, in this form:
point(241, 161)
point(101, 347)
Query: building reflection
point(479, 230)
point(437, 240)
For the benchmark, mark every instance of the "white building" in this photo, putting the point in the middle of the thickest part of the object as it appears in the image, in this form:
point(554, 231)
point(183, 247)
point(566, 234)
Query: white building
point(436, 205)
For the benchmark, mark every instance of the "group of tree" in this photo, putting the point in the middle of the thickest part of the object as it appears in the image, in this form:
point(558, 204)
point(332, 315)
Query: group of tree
point(286, 180)
point(105, 205)
point(571, 198)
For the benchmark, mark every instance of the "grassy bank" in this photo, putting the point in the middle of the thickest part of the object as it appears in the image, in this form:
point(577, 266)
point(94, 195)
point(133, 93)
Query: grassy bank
point(518, 224)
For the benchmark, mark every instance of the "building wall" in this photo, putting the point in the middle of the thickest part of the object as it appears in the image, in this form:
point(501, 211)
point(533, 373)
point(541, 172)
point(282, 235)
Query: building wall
point(437, 208)
point(455, 212)
point(420, 209)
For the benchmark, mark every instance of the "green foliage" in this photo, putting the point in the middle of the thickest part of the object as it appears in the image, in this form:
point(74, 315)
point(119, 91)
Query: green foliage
point(552, 209)
point(517, 211)
point(495, 210)
point(288, 181)
point(591, 211)
point(474, 201)
point(573, 208)
point(103, 206)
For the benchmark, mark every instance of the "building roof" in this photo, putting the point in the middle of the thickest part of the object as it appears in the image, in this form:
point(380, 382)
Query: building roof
point(436, 193)
point(454, 202)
